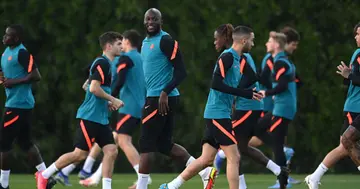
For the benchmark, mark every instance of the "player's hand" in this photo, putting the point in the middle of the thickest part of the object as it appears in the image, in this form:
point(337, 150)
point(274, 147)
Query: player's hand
point(111, 106)
point(117, 103)
point(2, 78)
point(8, 83)
point(163, 103)
point(262, 92)
point(86, 85)
point(343, 70)
point(257, 96)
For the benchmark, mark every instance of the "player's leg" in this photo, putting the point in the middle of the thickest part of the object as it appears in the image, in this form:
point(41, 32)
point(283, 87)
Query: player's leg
point(193, 168)
point(332, 157)
point(219, 159)
point(63, 175)
point(125, 129)
point(278, 131)
point(8, 132)
point(86, 170)
point(72, 157)
point(350, 140)
point(222, 131)
point(257, 140)
point(106, 142)
point(85, 132)
point(244, 131)
point(177, 152)
point(152, 124)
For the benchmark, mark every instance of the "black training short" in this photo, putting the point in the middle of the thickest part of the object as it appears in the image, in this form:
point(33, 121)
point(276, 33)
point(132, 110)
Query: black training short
point(89, 132)
point(244, 123)
point(219, 132)
point(125, 124)
point(157, 130)
point(350, 119)
point(272, 126)
point(16, 124)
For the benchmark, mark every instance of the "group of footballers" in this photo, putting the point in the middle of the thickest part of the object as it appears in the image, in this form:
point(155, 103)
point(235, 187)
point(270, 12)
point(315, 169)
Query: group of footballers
point(245, 108)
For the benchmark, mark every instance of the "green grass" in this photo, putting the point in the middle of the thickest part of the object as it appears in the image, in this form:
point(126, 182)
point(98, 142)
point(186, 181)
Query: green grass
point(122, 181)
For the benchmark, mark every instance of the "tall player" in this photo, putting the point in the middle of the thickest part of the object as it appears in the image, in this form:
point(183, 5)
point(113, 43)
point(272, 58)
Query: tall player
point(164, 70)
point(93, 116)
point(19, 71)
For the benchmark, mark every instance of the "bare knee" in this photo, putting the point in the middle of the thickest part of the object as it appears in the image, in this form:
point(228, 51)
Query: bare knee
point(206, 160)
point(233, 157)
point(341, 149)
point(110, 150)
point(349, 137)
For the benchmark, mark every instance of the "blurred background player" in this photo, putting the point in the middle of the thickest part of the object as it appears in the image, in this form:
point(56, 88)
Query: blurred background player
point(93, 116)
point(18, 70)
point(276, 123)
point(351, 112)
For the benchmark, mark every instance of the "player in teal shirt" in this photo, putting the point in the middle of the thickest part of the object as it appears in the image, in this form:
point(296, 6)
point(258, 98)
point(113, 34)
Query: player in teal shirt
point(93, 116)
point(18, 72)
point(219, 132)
point(350, 131)
point(284, 92)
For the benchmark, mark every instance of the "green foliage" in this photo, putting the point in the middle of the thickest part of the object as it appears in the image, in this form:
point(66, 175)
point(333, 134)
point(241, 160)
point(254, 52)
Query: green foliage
point(63, 37)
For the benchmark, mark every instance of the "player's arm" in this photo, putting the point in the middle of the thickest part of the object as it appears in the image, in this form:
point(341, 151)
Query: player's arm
point(86, 72)
point(123, 66)
point(265, 74)
point(99, 72)
point(223, 64)
point(249, 76)
point(27, 61)
point(355, 74)
point(1, 76)
point(298, 81)
point(280, 69)
point(171, 49)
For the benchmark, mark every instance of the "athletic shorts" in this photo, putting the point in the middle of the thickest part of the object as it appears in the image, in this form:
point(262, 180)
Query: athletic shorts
point(89, 132)
point(16, 124)
point(157, 130)
point(125, 124)
point(350, 118)
point(219, 132)
point(244, 123)
point(272, 126)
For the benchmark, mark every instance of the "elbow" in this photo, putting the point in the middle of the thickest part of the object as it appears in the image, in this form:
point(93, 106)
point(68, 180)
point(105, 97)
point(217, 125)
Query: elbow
point(93, 89)
point(215, 86)
point(37, 78)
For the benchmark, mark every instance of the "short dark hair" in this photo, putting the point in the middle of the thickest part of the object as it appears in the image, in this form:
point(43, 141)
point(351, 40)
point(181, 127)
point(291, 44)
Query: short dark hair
point(356, 27)
point(109, 37)
point(291, 34)
point(19, 30)
point(134, 37)
point(225, 30)
point(242, 30)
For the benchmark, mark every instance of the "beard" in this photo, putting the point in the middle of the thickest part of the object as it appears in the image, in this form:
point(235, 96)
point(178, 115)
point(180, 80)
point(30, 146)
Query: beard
point(154, 32)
